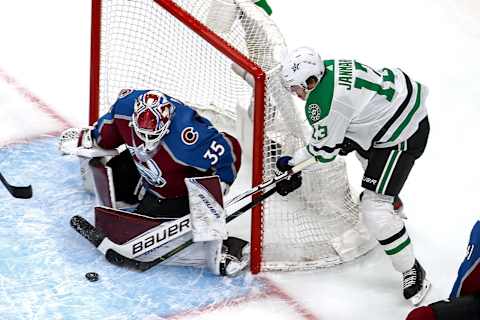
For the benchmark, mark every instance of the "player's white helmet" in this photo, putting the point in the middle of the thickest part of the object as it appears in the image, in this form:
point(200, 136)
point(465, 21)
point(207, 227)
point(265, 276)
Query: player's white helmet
point(152, 117)
point(299, 65)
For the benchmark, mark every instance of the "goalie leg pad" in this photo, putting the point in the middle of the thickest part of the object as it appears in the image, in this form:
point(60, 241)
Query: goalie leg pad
point(229, 257)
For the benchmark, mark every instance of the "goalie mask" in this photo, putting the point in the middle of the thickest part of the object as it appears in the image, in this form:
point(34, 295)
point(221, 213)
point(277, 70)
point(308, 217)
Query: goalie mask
point(151, 118)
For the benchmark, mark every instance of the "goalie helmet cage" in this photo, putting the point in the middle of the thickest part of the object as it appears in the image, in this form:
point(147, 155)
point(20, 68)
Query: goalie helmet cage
point(166, 45)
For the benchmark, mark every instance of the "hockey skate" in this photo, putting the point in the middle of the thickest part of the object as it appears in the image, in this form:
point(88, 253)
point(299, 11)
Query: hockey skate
point(235, 256)
point(415, 285)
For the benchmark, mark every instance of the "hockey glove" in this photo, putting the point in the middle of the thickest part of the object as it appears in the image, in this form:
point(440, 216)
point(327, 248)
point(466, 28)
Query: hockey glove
point(290, 184)
point(283, 163)
point(74, 138)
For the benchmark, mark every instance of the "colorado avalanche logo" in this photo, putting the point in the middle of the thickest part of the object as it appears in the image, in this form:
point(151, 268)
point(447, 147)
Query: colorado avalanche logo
point(151, 173)
point(189, 136)
point(147, 168)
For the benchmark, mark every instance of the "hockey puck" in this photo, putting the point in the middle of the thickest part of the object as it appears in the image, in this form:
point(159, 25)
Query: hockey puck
point(91, 276)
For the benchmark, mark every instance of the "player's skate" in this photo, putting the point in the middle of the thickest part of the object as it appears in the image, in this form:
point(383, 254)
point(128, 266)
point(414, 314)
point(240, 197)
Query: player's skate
point(415, 285)
point(234, 258)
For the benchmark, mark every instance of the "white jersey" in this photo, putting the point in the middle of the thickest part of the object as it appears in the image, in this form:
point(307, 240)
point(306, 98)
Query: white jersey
point(373, 108)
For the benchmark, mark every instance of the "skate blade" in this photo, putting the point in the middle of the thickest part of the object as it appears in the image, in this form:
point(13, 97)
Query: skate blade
point(416, 299)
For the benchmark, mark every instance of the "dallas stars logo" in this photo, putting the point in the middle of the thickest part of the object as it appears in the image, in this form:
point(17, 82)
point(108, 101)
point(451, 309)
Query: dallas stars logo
point(295, 67)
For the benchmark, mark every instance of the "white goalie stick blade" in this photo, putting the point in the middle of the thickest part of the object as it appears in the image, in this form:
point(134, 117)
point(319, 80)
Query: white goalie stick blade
point(141, 244)
point(120, 260)
point(114, 256)
point(416, 299)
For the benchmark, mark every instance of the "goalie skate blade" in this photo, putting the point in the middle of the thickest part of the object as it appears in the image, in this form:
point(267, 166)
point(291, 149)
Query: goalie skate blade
point(416, 299)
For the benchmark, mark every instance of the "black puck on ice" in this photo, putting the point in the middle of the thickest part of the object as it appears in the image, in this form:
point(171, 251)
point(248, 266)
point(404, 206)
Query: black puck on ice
point(91, 276)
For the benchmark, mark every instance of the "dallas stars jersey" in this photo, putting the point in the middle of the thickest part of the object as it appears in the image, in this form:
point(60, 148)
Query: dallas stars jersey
point(373, 108)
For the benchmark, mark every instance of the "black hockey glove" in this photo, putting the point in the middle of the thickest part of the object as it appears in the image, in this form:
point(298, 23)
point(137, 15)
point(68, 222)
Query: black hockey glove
point(290, 184)
point(282, 163)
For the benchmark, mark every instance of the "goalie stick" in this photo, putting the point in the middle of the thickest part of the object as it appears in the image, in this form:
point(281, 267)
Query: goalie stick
point(93, 235)
point(21, 192)
point(131, 249)
point(299, 167)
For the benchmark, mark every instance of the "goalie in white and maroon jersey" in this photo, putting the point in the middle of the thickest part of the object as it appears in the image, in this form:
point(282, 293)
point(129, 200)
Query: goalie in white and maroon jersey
point(380, 114)
point(166, 142)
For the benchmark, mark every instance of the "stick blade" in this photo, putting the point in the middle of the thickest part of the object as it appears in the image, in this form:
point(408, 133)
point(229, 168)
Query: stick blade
point(119, 260)
point(86, 230)
point(21, 192)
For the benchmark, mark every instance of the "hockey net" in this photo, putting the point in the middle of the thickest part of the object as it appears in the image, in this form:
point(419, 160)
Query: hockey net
point(164, 44)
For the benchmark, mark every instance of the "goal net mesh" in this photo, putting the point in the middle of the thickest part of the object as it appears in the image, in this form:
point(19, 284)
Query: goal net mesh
point(144, 46)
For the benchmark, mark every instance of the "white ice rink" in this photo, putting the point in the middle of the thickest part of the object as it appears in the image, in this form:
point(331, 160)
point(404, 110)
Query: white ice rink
point(44, 81)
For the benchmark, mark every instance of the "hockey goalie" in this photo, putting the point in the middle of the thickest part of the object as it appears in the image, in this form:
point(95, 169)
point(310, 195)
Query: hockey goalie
point(168, 168)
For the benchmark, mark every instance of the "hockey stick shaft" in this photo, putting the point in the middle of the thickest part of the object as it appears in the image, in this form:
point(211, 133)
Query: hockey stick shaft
point(299, 167)
point(21, 192)
point(120, 260)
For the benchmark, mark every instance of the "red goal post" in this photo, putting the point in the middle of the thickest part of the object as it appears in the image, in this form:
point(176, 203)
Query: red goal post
point(307, 228)
point(224, 47)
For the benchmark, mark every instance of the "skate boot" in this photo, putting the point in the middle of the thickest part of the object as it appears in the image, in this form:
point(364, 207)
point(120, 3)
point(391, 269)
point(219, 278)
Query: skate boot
point(415, 285)
point(235, 256)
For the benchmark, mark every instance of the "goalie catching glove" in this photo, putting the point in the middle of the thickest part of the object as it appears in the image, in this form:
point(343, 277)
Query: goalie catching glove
point(79, 142)
point(292, 183)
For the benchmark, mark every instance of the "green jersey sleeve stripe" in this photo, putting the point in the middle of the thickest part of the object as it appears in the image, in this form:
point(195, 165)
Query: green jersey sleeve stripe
point(398, 113)
point(409, 117)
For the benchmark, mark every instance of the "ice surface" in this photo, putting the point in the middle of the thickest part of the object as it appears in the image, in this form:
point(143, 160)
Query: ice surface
point(43, 261)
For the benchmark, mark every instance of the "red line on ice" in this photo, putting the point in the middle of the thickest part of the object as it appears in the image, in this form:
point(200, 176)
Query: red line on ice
point(36, 101)
point(272, 290)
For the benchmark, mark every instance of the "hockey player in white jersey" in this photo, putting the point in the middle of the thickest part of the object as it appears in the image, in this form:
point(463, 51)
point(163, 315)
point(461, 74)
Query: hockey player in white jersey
point(380, 114)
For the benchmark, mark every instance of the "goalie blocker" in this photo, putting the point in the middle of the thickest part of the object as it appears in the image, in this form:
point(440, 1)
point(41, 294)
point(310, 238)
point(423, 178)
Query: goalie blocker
point(226, 256)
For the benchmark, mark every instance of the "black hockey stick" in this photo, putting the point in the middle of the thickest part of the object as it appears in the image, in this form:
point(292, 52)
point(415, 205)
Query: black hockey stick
point(120, 260)
point(21, 192)
point(299, 167)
